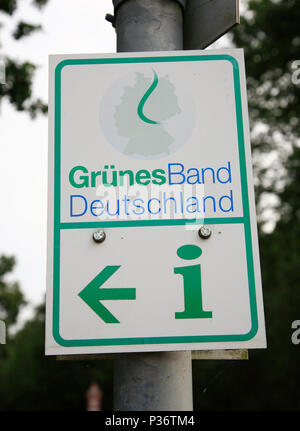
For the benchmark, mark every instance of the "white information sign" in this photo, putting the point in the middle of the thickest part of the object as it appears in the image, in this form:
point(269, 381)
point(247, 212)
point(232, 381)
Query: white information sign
point(152, 238)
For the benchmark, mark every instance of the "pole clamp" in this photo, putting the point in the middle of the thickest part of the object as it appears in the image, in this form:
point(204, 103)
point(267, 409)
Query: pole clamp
point(117, 3)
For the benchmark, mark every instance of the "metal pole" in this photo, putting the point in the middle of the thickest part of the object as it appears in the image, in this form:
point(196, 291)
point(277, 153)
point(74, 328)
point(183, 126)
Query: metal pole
point(149, 25)
point(151, 381)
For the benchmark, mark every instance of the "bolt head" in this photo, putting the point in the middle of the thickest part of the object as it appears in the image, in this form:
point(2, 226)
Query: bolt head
point(99, 236)
point(205, 232)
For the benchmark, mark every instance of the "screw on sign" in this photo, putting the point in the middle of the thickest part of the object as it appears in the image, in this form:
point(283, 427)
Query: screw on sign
point(205, 232)
point(94, 397)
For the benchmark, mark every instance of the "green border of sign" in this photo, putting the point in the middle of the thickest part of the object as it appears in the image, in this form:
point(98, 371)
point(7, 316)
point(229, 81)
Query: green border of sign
point(58, 226)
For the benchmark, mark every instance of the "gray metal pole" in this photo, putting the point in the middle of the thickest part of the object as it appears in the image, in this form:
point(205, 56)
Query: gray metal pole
point(149, 25)
point(2, 332)
point(151, 381)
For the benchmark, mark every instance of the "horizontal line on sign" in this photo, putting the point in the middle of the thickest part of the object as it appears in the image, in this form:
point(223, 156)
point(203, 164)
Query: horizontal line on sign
point(134, 223)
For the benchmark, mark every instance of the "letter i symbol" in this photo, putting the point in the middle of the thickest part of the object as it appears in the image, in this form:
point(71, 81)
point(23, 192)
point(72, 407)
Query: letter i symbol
point(193, 306)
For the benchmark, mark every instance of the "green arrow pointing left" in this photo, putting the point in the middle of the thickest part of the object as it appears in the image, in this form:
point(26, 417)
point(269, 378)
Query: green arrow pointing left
point(92, 294)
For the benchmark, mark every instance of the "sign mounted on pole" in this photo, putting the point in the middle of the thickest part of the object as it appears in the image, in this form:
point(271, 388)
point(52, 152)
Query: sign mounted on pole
point(152, 239)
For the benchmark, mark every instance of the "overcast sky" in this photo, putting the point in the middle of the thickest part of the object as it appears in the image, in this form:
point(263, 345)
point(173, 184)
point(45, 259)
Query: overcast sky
point(69, 26)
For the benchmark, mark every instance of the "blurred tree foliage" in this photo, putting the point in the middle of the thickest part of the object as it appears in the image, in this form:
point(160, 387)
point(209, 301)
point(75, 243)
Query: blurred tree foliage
point(11, 297)
point(19, 75)
point(269, 33)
